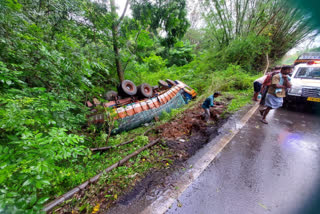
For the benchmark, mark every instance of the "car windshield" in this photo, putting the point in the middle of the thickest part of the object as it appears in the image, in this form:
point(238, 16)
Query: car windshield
point(308, 73)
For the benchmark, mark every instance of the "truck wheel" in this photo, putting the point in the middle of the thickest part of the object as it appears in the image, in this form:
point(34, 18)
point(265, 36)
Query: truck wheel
point(127, 87)
point(163, 84)
point(111, 95)
point(145, 90)
point(171, 82)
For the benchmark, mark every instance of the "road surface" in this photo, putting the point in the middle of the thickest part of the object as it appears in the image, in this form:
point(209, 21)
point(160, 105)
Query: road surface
point(271, 168)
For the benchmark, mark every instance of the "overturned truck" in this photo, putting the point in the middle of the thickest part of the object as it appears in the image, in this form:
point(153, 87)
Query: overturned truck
point(133, 106)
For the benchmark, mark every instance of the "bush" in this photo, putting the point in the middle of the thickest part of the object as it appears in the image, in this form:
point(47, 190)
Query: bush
point(234, 78)
point(154, 63)
point(248, 52)
point(35, 142)
point(181, 54)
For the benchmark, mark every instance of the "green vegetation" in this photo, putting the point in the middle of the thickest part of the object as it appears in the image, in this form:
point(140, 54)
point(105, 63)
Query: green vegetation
point(55, 55)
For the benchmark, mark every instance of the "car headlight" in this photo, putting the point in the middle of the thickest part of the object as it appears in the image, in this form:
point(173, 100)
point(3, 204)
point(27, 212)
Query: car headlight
point(297, 91)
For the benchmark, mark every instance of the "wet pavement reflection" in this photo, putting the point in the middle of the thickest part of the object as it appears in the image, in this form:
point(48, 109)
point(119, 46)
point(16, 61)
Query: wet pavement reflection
point(271, 168)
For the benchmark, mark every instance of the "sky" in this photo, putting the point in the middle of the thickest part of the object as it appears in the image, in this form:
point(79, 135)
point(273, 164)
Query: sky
point(120, 7)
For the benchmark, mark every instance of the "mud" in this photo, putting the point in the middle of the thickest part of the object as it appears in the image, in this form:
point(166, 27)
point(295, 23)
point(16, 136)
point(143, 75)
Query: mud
point(189, 122)
point(188, 133)
point(142, 187)
point(156, 179)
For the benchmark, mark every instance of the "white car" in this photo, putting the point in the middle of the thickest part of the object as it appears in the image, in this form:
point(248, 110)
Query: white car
point(305, 82)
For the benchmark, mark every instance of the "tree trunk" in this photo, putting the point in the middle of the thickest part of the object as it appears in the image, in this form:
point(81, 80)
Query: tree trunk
point(115, 42)
point(268, 63)
point(116, 53)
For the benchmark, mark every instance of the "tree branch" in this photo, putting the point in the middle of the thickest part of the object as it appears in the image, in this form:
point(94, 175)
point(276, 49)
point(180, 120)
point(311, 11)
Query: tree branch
point(268, 22)
point(124, 12)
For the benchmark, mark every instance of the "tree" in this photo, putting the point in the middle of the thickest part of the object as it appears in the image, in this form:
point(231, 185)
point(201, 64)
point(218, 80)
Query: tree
point(283, 25)
point(167, 19)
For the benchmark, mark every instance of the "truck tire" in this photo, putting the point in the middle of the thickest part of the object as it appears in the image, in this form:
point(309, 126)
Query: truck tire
point(163, 84)
point(127, 88)
point(145, 90)
point(111, 95)
point(171, 82)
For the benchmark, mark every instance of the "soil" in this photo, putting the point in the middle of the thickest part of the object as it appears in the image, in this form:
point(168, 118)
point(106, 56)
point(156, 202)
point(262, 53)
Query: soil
point(190, 132)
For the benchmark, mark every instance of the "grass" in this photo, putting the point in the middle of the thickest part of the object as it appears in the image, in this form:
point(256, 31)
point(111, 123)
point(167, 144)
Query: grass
point(240, 99)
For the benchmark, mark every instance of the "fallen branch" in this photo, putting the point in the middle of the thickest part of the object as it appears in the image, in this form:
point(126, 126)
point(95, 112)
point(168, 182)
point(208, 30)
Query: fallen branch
point(102, 149)
point(82, 186)
point(146, 132)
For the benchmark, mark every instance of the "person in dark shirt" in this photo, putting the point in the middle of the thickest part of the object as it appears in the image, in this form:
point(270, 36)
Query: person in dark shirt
point(209, 103)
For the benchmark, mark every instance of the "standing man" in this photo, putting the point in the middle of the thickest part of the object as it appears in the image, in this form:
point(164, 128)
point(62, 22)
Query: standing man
point(276, 92)
point(209, 103)
point(267, 82)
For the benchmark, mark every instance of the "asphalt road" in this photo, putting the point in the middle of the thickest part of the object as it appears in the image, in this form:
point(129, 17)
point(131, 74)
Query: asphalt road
point(271, 168)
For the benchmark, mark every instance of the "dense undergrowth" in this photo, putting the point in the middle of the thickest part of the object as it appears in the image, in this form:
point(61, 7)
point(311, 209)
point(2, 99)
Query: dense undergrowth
point(57, 55)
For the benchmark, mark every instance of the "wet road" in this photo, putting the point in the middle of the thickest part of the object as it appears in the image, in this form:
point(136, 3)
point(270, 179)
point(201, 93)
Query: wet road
point(271, 168)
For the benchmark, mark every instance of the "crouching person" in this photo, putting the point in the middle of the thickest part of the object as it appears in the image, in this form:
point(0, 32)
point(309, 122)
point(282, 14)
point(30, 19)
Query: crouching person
point(276, 92)
point(209, 103)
